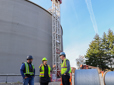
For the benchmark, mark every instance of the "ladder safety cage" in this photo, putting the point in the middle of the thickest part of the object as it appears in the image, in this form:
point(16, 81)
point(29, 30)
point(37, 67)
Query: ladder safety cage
point(56, 36)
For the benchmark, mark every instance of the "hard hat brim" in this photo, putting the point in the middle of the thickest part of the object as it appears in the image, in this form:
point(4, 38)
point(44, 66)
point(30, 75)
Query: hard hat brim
point(44, 60)
point(29, 59)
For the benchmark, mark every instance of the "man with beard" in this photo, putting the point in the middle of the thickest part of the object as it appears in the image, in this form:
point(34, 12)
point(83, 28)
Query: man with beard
point(27, 71)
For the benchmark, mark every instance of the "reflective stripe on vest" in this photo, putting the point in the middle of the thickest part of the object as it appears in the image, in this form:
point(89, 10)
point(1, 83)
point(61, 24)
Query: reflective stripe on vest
point(64, 67)
point(27, 69)
point(42, 72)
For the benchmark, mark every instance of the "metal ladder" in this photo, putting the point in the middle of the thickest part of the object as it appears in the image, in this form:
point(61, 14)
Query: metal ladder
point(56, 36)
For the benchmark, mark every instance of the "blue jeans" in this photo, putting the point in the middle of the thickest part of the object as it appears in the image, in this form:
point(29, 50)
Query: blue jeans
point(29, 80)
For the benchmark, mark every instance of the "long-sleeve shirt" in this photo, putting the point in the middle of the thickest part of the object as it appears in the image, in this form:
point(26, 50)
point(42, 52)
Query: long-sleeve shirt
point(23, 68)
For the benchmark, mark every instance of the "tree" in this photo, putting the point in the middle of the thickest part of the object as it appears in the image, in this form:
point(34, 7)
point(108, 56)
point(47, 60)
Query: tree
point(110, 48)
point(95, 53)
point(80, 61)
point(101, 51)
point(103, 47)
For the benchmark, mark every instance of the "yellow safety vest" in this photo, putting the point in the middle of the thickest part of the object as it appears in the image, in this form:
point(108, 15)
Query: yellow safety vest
point(64, 67)
point(42, 72)
point(27, 69)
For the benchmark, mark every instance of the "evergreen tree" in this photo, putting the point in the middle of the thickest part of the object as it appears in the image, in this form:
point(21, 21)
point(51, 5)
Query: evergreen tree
point(101, 51)
point(109, 48)
point(103, 47)
point(95, 53)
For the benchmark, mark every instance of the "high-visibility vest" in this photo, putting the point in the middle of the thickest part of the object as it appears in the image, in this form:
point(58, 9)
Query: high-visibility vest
point(64, 67)
point(43, 70)
point(27, 69)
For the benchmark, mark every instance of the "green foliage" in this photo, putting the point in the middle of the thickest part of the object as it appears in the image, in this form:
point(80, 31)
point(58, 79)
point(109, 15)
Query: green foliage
point(101, 51)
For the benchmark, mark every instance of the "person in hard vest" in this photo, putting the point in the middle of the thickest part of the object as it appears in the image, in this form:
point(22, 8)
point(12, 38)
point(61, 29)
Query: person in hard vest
point(45, 72)
point(65, 69)
point(27, 71)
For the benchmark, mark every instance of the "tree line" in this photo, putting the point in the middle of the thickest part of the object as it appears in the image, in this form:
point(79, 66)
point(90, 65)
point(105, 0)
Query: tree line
point(101, 51)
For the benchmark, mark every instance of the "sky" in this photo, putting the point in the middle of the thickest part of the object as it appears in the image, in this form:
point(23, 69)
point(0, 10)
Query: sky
point(81, 20)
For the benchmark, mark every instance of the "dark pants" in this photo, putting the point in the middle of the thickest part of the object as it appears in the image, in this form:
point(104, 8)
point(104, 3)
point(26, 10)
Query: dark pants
point(43, 83)
point(65, 79)
point(29, 81)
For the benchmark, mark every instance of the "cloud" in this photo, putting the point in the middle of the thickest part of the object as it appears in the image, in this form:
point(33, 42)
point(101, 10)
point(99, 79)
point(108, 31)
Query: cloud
point(74, 50)
point(89, 6)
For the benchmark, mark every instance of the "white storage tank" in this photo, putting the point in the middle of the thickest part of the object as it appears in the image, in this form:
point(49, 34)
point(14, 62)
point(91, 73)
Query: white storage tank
point(25, 29)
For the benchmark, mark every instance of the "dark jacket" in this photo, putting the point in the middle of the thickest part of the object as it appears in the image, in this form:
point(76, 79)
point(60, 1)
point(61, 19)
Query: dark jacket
point(22, 70)
point(46, 77)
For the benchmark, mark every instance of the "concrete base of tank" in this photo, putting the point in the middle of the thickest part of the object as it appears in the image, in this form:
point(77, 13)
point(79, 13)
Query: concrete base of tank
point(51, 83)
point(16, 79)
